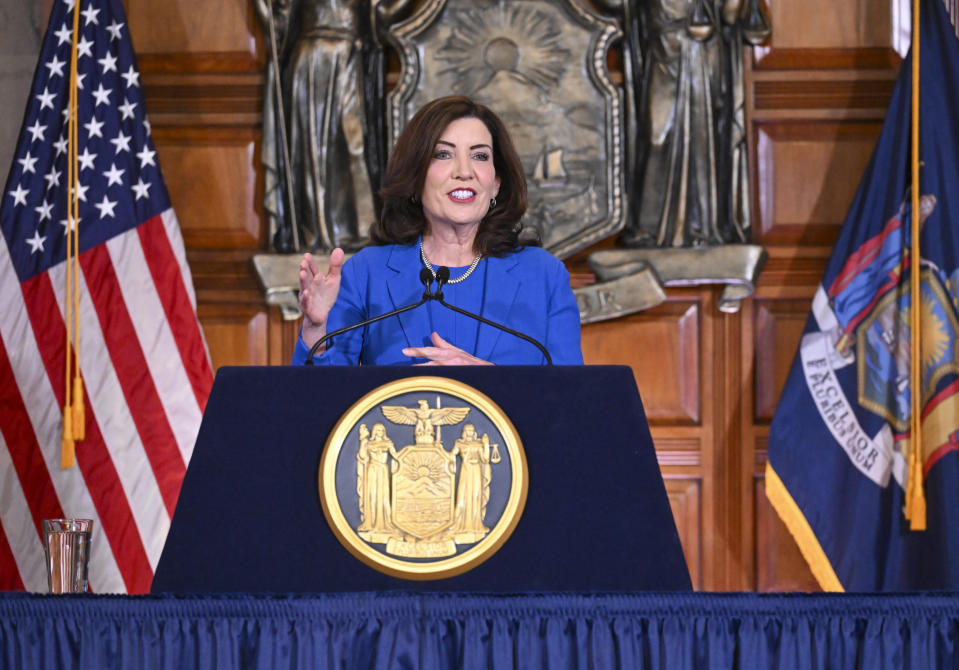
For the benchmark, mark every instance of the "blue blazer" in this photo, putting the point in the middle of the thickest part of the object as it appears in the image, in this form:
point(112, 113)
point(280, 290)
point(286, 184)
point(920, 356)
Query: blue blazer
point(527, 291)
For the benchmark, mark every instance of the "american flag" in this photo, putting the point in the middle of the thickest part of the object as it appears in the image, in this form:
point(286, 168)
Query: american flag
point(144, 363)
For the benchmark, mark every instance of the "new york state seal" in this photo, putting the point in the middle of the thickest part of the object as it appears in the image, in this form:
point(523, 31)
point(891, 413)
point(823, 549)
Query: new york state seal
point(423, 478)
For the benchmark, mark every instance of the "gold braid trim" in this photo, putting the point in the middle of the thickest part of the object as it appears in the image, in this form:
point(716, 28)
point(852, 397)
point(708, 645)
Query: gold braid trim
point(795, 521)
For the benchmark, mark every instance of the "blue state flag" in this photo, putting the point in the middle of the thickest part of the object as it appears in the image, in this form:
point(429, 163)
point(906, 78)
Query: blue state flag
point(838, 442)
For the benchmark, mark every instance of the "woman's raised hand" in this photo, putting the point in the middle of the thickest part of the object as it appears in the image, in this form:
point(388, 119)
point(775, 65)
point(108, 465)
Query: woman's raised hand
point(318, 292)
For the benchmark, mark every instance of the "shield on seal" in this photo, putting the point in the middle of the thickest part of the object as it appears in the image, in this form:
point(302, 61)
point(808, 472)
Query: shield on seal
point(423, 486)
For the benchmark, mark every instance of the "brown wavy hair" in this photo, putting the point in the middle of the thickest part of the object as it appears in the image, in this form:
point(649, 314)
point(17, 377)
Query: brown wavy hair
point(402, 220)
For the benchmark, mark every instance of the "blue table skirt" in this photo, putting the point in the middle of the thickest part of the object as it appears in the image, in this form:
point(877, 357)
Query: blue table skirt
point(451, 630)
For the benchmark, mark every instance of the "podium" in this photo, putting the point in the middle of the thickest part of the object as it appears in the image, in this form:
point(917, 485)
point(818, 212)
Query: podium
point(249, 517)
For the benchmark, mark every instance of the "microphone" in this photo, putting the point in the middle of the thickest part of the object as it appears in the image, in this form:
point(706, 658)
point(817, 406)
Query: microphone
point(443, 276)
point(426, 278)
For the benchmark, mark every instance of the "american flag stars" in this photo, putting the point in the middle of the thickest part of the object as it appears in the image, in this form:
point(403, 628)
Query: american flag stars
point(121, 142)
point(36, 242)
point(36, 130)
point(28, 163)
point(64, 35)
point(114, 149)
point(90, 15)
point(86, 159)
point(113, 175)
point(146, 157)
point(55, 66)
point(114, 30)
point(106, 207)
point(84, 47)
point(53, 178)
point(19, 195)
point(142, 190)
point(46, 99)
point(44, 211)
point(126, 110)
point(108, 63)
point(131, 77)
point(102, 95)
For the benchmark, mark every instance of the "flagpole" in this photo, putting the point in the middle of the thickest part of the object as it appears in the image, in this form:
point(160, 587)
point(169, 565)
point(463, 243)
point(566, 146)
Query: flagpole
point(915, 507)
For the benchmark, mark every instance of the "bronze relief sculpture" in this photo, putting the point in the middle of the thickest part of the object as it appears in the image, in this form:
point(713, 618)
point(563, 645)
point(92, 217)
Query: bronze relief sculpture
point(659, 161)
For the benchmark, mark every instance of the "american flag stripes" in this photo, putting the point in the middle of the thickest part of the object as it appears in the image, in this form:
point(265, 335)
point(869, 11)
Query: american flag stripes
point(144, 363)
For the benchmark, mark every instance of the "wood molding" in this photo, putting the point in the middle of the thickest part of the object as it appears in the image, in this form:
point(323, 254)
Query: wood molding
point(199, 61)
point(678, 452)
point(869, 58)
point(796, 272)
point(823, 94)
point(225, 276)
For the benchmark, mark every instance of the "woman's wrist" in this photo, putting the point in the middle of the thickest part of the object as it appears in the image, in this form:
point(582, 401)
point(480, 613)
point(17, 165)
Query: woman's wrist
point(310, 332)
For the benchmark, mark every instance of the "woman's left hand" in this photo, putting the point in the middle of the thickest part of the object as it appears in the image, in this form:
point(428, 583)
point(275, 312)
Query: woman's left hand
point(443, 353)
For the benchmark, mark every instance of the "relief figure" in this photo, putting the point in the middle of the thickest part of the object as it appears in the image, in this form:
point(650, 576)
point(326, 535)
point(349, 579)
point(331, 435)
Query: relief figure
point(472, 492)
point(323, 133)
point(689, 174)
point(373, 467)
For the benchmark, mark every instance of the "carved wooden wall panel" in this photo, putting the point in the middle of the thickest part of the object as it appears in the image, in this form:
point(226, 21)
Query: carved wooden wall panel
point(235, 335)
point(662, 347)
point(778, 329)
point(684, 500)
point(185, 27)
point(835, 34)
point(818, 24)
point(807, 176)
point(216, 173)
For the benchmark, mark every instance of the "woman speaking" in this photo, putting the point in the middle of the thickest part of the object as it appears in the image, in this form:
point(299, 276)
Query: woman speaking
point(454, 193)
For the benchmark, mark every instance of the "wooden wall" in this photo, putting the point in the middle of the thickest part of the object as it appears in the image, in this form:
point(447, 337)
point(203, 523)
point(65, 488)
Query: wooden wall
point(816, 96)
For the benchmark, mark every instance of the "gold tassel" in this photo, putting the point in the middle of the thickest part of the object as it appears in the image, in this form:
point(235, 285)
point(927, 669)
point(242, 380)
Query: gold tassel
point(79, 414)
point(915, 510)
point(67, 446)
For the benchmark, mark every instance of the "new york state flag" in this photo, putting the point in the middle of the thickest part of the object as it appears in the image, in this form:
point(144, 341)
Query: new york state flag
point(837, 469)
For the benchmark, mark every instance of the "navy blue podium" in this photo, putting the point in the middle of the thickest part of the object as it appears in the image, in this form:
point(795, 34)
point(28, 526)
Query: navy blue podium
point(249, 517)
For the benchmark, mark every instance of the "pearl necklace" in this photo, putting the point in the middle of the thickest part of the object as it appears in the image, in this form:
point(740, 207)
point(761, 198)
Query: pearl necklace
point(428, 264)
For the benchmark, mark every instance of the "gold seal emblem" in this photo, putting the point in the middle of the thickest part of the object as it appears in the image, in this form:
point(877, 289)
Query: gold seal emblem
point(401, 500)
